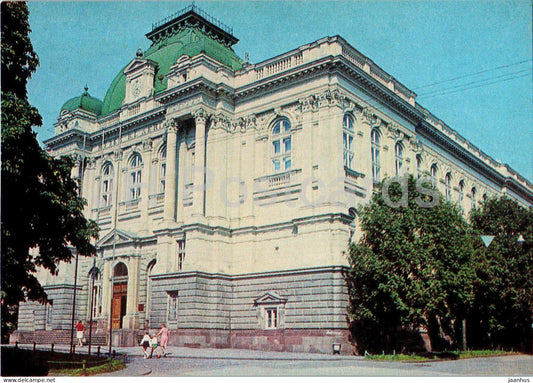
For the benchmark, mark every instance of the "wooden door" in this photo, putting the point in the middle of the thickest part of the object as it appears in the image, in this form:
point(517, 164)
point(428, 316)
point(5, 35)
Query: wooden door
point(119, 303)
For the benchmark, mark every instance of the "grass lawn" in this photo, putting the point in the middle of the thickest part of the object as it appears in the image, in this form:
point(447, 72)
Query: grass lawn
point(109, 366)
point(447, 355)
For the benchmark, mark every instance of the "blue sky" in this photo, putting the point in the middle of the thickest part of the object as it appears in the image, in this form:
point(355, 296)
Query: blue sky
point(418, 42)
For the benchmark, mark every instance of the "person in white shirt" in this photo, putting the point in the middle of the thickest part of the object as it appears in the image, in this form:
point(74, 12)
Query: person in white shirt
point(145, 343)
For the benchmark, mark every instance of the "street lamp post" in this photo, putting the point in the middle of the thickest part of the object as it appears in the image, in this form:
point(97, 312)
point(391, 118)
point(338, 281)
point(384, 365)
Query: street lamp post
point(74, 304)
point(92, 305)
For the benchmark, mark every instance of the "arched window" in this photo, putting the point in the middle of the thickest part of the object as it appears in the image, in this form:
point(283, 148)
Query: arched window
point(120, 270)
point(448, 185)
point(135, 172)
point(95, 281)
point(107, 184)
point(418, 165)
point(149, 270)
point(433, 172)
point(162, 170)
point(461, 192)
point(281, 145)
point(473, 197)
point(347, 139)
point(375, 148)
point(398, 150)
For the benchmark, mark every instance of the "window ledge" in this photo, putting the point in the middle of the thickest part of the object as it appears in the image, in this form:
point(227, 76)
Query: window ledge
point(349, 173)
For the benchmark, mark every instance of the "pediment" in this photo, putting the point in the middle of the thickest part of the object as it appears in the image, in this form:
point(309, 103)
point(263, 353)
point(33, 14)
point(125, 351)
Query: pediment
point(117, 237)
point(137, 64)
point(270, 298)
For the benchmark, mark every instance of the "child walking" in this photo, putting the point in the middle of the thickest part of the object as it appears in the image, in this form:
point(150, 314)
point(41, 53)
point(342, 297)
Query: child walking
point(145, 343)
point(153, 343)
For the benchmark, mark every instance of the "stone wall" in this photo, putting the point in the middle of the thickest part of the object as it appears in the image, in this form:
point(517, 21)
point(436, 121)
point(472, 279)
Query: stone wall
point(220, 311)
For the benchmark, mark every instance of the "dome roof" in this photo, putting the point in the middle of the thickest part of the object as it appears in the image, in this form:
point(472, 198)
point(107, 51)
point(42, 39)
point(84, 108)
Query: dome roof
point(170, 42)
point(85, 102)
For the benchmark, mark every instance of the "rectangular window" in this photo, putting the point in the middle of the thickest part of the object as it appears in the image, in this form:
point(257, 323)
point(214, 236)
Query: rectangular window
point(97, 301)
point(399, 164)
point(49, 312)
point(271, 316)
point(276, 164)
point(287, 144)
point(287, 161)
point(172, 306)
point(106, 192)
point(162, 178)
point(375, 165)
point(181, 254)
point(276, 146)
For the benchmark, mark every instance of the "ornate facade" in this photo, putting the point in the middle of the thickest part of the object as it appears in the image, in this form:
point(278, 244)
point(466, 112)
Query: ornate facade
point(226, 191)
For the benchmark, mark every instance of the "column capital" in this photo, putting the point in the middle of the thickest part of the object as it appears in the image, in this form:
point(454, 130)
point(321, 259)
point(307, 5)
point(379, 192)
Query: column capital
point(117, 154)
point(171, 125)
point(200, 115)
point(91, 162)
point(147, 145)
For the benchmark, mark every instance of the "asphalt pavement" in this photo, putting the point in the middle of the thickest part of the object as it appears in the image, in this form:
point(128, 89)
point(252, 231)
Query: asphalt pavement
point(199, 362)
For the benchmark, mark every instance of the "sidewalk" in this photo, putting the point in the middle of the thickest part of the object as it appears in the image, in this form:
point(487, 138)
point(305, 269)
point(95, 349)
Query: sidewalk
point(203, 353)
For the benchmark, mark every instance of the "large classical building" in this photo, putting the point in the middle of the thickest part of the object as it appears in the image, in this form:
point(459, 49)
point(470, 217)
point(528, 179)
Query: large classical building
point(226, 191)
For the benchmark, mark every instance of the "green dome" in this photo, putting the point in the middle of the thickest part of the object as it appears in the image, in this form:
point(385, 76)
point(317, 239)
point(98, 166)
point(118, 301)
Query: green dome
point(85, 102)
point(165, 52)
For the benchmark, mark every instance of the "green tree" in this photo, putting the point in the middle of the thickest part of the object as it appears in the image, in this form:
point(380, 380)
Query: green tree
point(503, 305)
point(42, 213)
point(411, 268)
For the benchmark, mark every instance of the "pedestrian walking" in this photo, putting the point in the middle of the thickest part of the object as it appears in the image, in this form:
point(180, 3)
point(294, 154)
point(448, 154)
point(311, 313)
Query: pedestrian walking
point(164, 333)
point(79, 333)
point(145, 343)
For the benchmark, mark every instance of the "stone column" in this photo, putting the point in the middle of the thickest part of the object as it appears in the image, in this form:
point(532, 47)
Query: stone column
point(171, 176)
point(308, 161)
point(331, 169)
point(107, 290)
point(248, 171)
point(117, 187)
point(180, 182)
point(75, 171)
point(90, 187)
point(365, 153)
point(130, 319)
point(145, 186)
point(200, 118)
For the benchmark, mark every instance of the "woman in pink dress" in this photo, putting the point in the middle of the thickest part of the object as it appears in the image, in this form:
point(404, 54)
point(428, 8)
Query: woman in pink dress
point(164, 338)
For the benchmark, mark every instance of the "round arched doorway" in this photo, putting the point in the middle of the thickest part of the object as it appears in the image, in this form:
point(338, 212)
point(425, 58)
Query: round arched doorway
point(120, 294)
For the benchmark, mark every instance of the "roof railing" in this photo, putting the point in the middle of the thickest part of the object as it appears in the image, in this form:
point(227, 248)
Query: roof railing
point(199, 12)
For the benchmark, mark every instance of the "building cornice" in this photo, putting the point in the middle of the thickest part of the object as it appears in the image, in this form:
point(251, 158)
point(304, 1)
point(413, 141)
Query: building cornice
point(264, 274)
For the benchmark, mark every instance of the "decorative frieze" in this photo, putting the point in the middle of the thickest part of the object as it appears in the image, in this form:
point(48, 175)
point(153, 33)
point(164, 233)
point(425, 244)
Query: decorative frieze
point(221, 121)
point(331, 98)
point(309, 103)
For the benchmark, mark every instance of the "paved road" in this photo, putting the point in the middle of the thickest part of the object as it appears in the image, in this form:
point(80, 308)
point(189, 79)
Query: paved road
point(184, 361)
point(209, 362)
